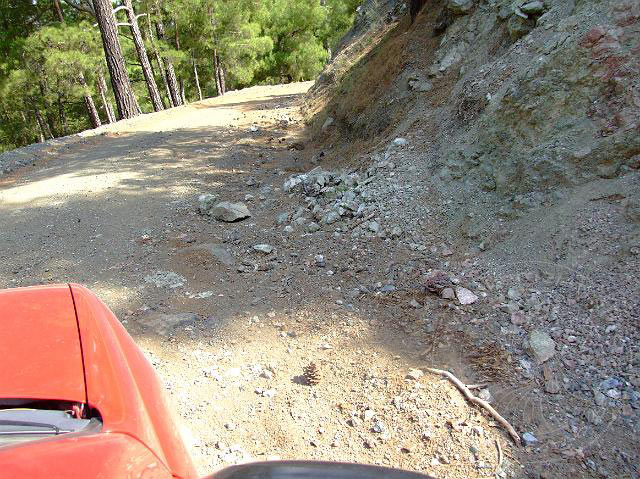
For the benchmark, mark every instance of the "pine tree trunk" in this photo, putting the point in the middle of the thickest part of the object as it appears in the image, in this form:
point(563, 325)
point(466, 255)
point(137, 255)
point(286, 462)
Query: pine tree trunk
point(219, 72)
point(172, 81)
point(163, 73)
point(195, 74)
point(106, 104)
point(182, 95)
point(45, 132)
point(125, 99)
point(63, 117)
point(94, 118)
point(58, 10)
point(49, 114)
point(154, 94)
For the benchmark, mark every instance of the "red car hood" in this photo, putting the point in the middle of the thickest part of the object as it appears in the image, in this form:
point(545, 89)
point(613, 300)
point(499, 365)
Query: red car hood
point(41, 355)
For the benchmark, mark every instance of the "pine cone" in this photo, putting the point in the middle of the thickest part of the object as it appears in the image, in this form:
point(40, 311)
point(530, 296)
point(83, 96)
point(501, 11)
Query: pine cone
point(312, 374)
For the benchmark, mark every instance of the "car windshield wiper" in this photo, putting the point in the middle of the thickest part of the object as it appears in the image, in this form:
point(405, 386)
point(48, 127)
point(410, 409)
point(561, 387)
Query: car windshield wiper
point(8, 422)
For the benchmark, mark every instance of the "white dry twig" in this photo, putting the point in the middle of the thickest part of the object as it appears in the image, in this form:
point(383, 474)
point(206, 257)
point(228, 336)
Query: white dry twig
point(478, 402)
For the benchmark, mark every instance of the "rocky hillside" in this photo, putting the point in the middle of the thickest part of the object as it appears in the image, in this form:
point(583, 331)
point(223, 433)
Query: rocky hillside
point(516, 96)
point(497, 144)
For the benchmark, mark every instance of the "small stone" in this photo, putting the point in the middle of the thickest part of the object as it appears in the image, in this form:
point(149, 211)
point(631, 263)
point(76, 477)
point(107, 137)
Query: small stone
point(400, 142)
point(282, 218)
point(448, 293)
point(379, 427)
point(528, 439)
point(599, 398)
point(613, 394)
point(230, 426)
point(465, 296)
point(593, 418)
point(552, 386)
point(446, 251)
point(263, 248)
point(485, 395)
point(610, 383)
point(230, 212)
point(514, 294)
point(312, 227)
point(319, 260)
point(396, 232)
point(267, 374)
point(373, 226)
point(414, 304)
point(388, 288)
point(435, 462)
point(414, 374)
point(518, 318)
point(540, 346)
point(368, 415)
point(331, 217)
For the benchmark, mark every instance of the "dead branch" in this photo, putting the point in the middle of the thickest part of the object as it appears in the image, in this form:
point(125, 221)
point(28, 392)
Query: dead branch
point(499, 457)
point(478, 402)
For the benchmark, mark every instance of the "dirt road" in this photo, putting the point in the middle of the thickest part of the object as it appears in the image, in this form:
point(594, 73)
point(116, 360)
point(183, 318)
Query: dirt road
point(230, 329)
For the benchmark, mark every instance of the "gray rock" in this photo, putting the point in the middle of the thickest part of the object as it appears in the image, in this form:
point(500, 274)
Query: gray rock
point(166, 279)
point(206, 202)
point(263, 248)
point(485, 395)
point(610, 383)
point(414, 374)
point(396, 232)
point(465, 296)
point(312, 227)
point(379, 427)
point(331, 217)
point(230, 212)
point(540, 346)
point(593, 418)
point(599, 398)
point(460, 7)
point(374, 227)
point(532, 8)
point(613, 394)
point(327, 123)
point(528, 439)
point(319, 260)
point(514, 293)
point(400, 142)
point(388, 288)
point(448, 293)
point(282, 218)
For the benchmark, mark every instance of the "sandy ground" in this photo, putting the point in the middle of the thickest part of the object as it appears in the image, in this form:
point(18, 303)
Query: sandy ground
point(231, 342)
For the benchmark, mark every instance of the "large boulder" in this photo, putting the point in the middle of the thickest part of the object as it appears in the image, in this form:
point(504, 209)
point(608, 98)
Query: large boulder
point(230, 212)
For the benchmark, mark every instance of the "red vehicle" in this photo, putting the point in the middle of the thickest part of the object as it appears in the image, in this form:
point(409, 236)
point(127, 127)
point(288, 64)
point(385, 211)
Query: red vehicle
point(78, 399)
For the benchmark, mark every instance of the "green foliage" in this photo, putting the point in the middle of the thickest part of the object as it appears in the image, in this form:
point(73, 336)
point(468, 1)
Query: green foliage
point(43, 61)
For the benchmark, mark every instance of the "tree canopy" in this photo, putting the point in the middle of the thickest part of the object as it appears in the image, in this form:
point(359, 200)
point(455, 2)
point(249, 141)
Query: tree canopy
point(62, 64)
